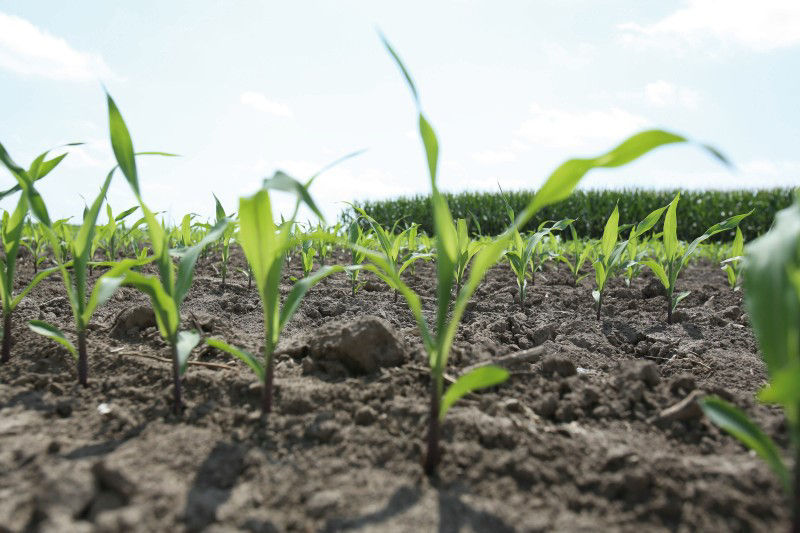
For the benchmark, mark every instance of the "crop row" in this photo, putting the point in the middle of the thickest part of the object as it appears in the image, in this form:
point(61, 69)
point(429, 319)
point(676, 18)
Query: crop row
point(771, 268)
point(486, 211)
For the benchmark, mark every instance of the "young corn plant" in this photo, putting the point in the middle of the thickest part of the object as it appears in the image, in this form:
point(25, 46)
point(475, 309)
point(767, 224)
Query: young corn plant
point(670, 264)
point(521, 252)
point(576, 256)
point(265, 245)
point(34, 239)
point(357, 242)
point(438, 340)
point(109, 232)
point(307, 254)
point(12, 235)
point(733, 265)
point(167, 290)
point(606, 260)
point(391, 245)
point(82, 301)
point(610, 253)
point(772, 297)
point(225, 240)
point(466, 248)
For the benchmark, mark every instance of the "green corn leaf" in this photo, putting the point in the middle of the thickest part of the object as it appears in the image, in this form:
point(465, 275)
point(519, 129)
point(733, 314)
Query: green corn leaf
point(184, 344)
point(735, 422)
point(103, 289)
point(163, 305)
point(220, 212)
point(658, 270)
point(281, 181)
point(565, 178)
point(670, 235)
point(738, 243)
point(52, 332)
point(431, 145)
point(188, 258)
point(725, 225)
point(81, 244)
point(126, 213)
point(772, 301)
point(243, 355)
point(610, 234)
point(257, 234)
point(122, 145)
point(480, 378)
point(649, 221)
point(41, 275)
point(409, 81)
point(678, 297)
point(484, 260)
point(599, 274)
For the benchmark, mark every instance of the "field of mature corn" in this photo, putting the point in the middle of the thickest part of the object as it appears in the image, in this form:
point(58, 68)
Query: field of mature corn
point(254, 373)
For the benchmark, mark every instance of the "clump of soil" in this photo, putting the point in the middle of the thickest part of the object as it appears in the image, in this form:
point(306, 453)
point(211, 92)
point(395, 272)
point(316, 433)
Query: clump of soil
point(600, 433)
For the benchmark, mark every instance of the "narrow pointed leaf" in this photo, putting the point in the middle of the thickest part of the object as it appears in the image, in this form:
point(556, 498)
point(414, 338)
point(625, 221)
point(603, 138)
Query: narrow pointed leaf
point(480, 378)
point(52, 332)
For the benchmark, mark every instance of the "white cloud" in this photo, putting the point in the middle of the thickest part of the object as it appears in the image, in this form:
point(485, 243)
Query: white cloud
point(259, 102)
point(665, 94)
point(559, 128)
point(759, 25)
point(29, 50)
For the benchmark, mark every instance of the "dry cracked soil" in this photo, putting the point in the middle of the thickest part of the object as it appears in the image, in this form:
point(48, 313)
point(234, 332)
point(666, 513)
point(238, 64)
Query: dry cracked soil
point(600, 431)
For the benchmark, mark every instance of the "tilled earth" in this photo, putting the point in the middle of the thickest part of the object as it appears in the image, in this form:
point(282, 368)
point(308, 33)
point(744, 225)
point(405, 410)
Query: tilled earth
point(602, 432)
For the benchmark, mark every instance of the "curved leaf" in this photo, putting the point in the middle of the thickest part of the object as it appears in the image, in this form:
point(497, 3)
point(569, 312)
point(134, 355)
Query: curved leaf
point(735, 422)
point(480, 378)
point(49, 330)
point(243, 355)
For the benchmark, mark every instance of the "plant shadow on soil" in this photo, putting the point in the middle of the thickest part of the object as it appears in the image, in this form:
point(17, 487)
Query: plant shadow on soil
point(600, 434)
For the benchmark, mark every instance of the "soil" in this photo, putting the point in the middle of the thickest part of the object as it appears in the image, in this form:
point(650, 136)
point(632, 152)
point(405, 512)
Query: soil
point(600, 433)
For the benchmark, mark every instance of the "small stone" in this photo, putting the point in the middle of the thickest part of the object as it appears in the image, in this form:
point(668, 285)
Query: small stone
point(322, 502)
point(558, 364)
point(364, 416)
point(362, 345)
point(64, 408)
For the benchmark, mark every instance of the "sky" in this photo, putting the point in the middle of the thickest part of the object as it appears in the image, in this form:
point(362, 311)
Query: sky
point(242, 89)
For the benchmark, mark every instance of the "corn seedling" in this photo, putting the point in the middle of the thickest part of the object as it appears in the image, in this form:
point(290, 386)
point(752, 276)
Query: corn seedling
point(733, 265)
point(357, 242)
point(772, 297)
point(437, 341)
point(82, 302)
point(168, 290)
point(12, 227)
point(466, 248)
point(307, 254)
point(265, 245)
point(391, 245)
point(225, 240)
point(670, 264)
point(579, 252)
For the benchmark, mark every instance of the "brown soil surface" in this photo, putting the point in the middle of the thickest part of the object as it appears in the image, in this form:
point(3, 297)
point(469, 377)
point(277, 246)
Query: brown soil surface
point(577, 441)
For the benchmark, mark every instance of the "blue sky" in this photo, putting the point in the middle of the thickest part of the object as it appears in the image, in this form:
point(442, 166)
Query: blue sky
point(513, 88)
